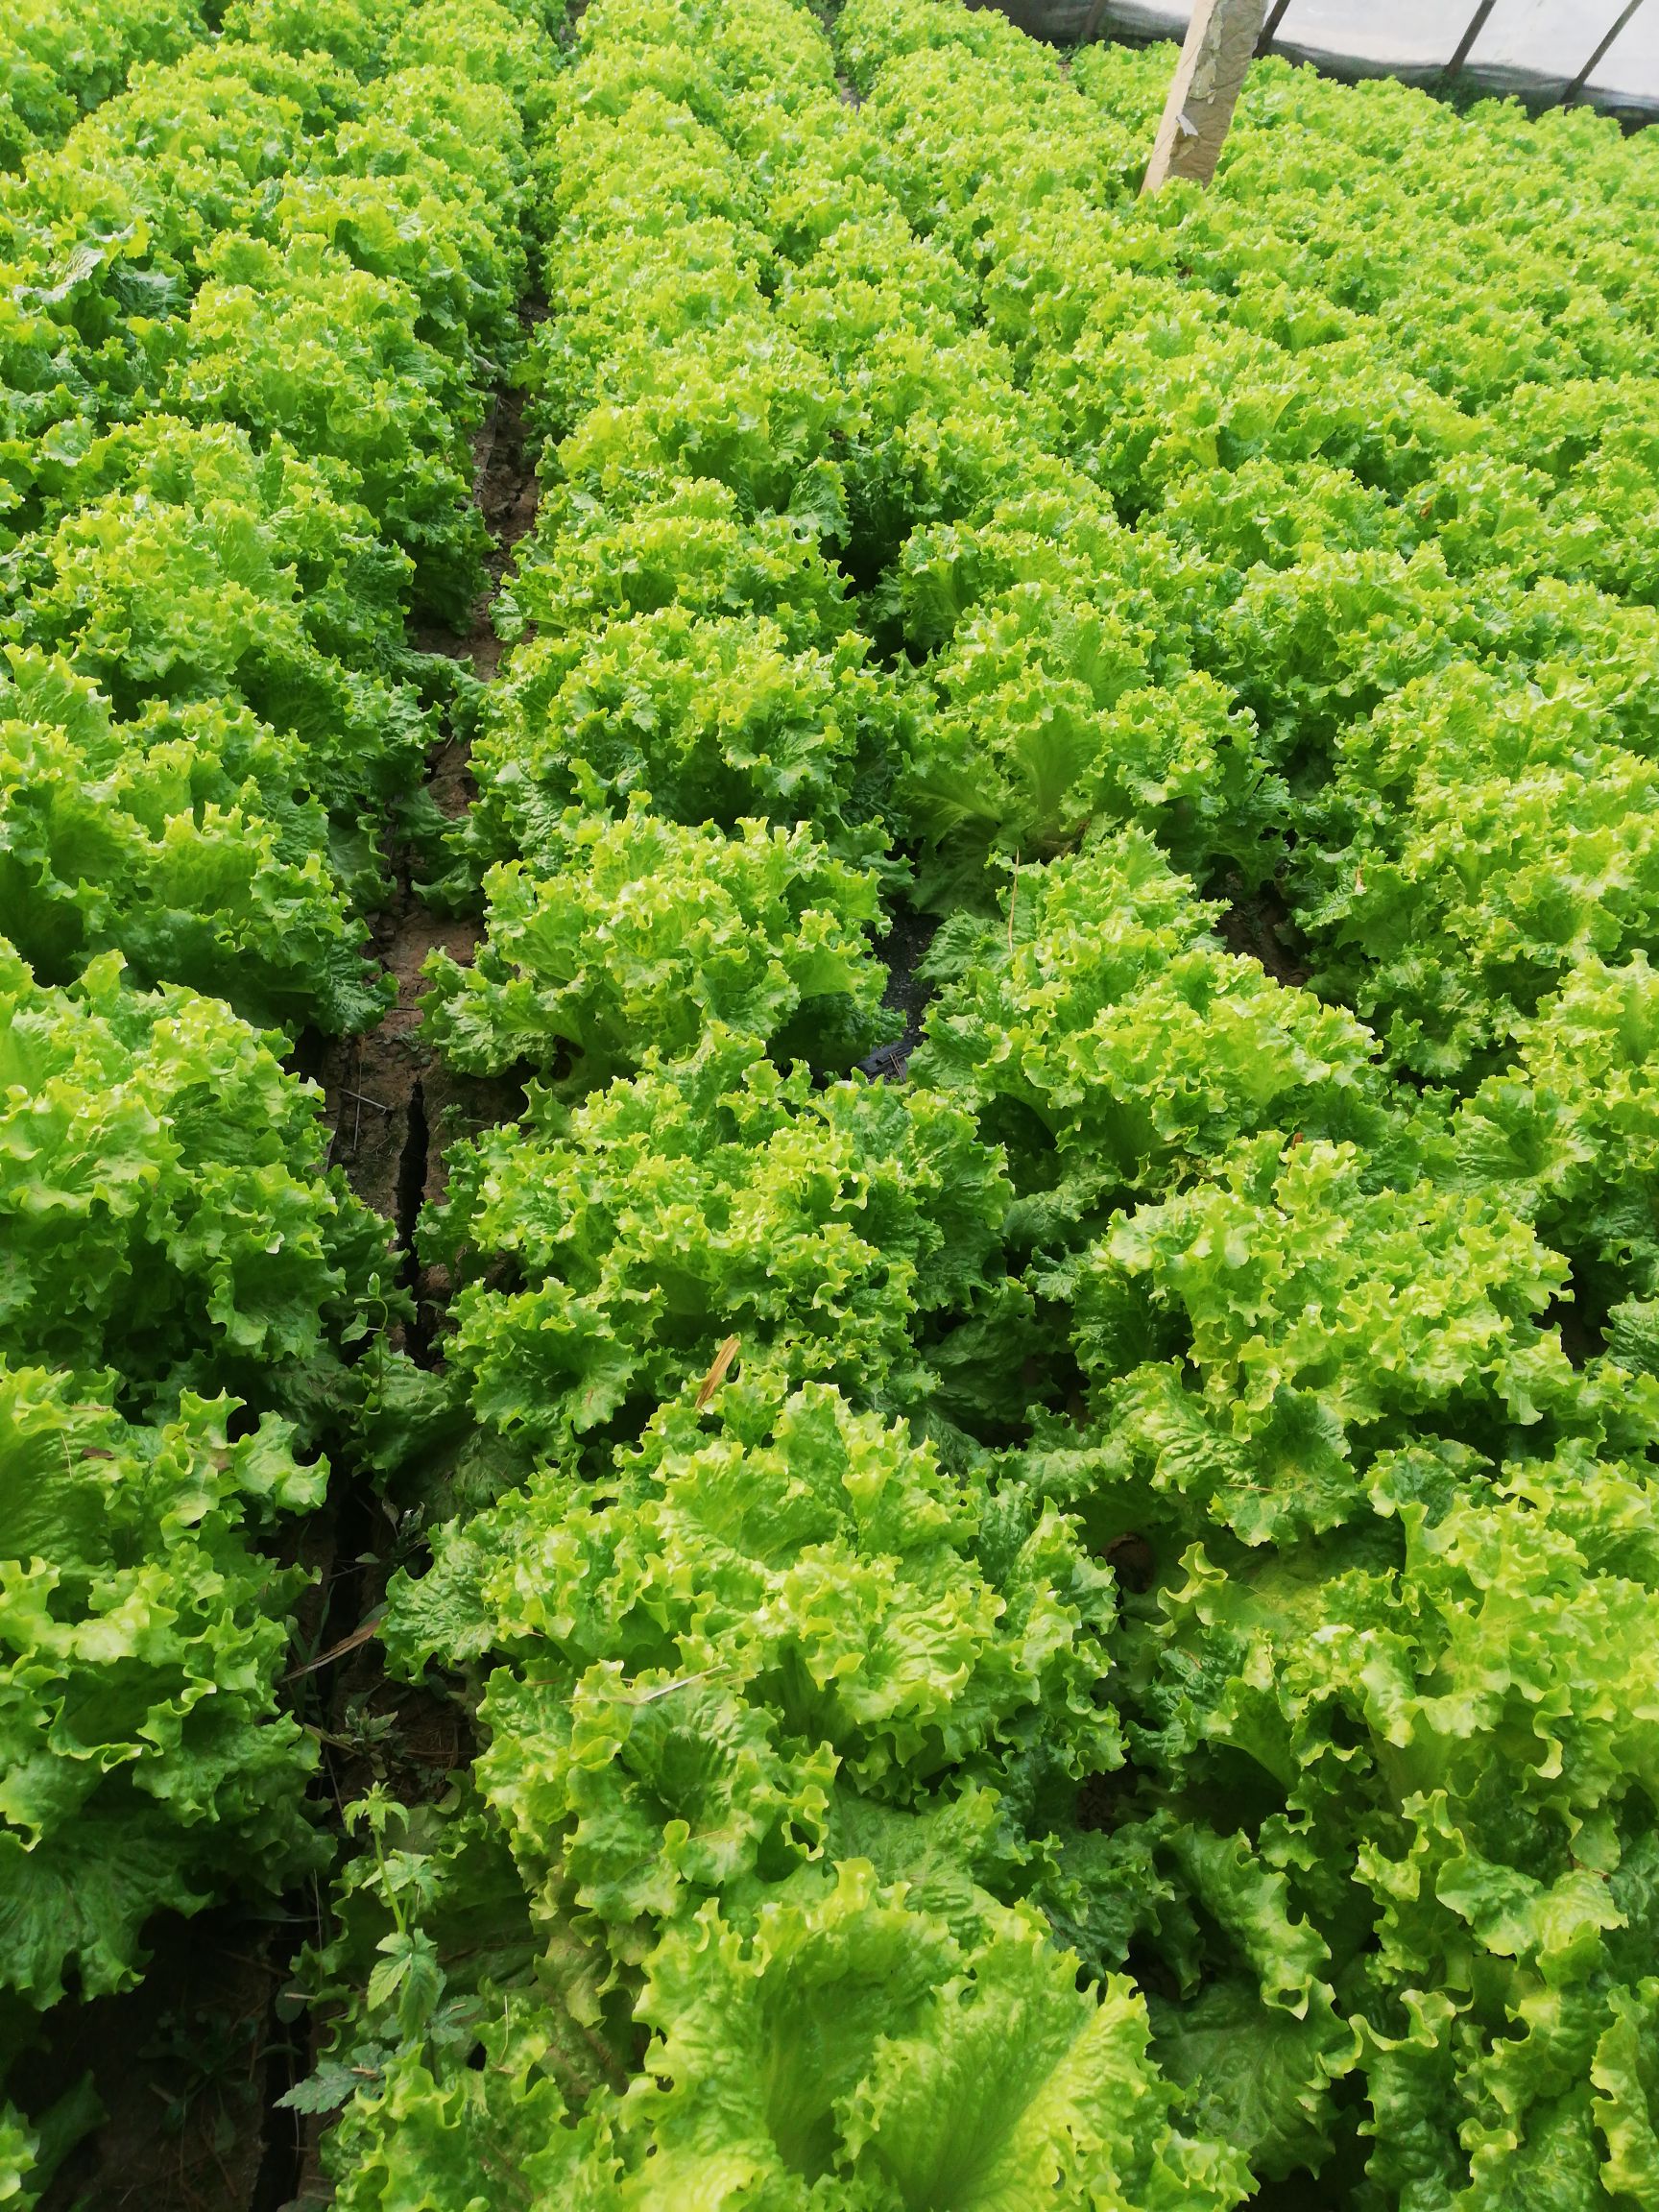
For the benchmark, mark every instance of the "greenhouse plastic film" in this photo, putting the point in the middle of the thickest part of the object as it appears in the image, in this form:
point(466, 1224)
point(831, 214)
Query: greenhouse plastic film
point(1533, 48)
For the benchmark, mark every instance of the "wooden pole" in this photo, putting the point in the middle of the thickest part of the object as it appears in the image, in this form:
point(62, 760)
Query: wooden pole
point(1220, 40)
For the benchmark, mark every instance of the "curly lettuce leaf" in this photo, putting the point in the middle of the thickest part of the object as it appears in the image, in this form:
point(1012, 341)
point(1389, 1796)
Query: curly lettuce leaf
point(157, 1159)
point(704, 1198)
point(1107, 1041)
point(790, 1600)
point(184, 839)
point(148, 1765)
point(647, 933)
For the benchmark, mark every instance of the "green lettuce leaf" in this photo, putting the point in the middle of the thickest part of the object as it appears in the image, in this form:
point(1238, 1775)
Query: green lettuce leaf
point(147, 1763)
point(647, 934)
point(704, 1198)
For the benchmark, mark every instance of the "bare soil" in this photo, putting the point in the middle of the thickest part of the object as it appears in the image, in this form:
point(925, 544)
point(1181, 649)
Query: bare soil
point(391, 1105)
point(1260, 925)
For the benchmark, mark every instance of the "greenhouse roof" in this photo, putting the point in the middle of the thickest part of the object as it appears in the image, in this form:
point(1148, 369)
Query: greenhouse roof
point(1536, 48)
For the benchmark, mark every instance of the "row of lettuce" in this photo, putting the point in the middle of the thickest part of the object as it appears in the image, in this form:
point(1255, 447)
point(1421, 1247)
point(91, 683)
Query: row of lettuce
point(59, 59)
point(1065, 1631)
point(251, 303)
point(255, 304)
point(1079, 1630)
point(1428, 578)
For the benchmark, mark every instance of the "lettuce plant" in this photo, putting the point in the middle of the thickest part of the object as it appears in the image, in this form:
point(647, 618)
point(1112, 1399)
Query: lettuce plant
point(1258, 1337)
point(716, 719)
point(1566, 1132)
point(759, 1612)
point(185, 839)
point(1105, 1039)
point(61, 58)
point(706, 1197)
point(148, 1762)
point(646, 934)
point(166, 1208)
point(777, 1605)
point(209, 571)
point(1439, 1729)
point(859, 2047)
point(1479, 840)
point(590, 565)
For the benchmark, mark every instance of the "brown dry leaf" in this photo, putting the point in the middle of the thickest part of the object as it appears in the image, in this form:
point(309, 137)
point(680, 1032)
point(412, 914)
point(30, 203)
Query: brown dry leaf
point(717, 1373)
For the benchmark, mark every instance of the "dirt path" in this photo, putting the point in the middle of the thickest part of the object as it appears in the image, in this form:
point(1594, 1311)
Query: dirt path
point(389, 1102)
